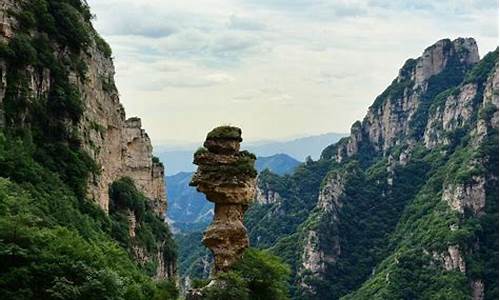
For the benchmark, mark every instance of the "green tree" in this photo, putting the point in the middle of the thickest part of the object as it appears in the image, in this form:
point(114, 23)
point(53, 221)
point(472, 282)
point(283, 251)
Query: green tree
point(229, 286)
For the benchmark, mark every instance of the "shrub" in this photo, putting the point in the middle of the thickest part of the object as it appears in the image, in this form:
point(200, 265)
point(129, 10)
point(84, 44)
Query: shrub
point(266, 275)
point(483, 69)
point(124, 195)
point(200, 151)
point(231, 286)
point(225, 132)
point(258, 275)
point(166, 289)
point(72, 31)
point(103, 46)
point(22, 50)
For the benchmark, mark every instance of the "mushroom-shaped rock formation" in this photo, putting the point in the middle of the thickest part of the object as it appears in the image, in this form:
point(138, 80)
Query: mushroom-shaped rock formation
point(227, 176)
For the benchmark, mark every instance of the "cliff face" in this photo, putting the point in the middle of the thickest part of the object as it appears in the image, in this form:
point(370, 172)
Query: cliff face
point(58, 83)
point(395, 117)
point(119, 146)
point(394, 204)
point(265, 194)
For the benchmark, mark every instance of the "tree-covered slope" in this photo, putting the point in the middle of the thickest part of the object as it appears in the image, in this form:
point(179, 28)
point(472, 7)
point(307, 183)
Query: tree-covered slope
point(406, 207)
point(56, 242)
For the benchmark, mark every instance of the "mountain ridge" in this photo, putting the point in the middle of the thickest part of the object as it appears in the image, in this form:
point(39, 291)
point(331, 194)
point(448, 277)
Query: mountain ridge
point(406, 207)
point(82, 196)
point(393, 160)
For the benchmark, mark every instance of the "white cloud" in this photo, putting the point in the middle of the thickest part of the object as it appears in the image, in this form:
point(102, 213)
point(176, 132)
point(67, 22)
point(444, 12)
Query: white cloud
point(245, 23)
point(310, 66)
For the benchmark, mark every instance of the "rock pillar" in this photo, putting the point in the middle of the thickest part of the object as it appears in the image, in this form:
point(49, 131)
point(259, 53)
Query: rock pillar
point(227, 177)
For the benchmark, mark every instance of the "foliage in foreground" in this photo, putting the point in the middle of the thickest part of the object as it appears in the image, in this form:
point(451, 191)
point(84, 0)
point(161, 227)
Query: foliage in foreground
point(258, 276)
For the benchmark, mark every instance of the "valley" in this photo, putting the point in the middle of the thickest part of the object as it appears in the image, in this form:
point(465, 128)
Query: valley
point(402, 201)
point(404, 206)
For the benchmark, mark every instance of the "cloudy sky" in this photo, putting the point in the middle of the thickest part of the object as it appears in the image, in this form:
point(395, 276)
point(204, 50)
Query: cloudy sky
point(277, 68)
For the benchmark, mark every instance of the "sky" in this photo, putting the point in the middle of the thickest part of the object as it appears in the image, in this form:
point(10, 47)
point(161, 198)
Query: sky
point(276, 68)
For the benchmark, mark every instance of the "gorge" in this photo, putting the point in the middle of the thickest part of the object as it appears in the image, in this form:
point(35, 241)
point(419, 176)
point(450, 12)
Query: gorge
point(409, 199)
point(405, 207)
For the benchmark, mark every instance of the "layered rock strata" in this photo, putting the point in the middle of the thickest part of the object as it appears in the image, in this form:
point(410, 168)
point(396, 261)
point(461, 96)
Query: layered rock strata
point(393, 119)
point(227, 177)
point(118, 145)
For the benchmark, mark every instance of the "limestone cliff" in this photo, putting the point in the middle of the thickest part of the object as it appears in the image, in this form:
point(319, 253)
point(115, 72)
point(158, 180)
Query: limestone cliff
point(226, 176)
point(265, 194)
point(119, 146)
point(395, 118)
point(322, 248)
point(64, 91)
point(444, 100)
point(409, 201)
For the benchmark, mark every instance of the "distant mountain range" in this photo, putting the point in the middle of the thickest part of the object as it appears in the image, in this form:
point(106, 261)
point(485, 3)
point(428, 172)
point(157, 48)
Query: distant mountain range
point(406, 207)
point(297, 148)
point(280, 164)
point(185, 205)
point(179, 158)
point(189, 210)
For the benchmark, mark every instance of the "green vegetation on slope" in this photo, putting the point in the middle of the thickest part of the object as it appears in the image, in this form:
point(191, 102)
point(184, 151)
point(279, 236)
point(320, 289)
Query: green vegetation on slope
point(393, 225)
point(55, 243)
point(301, 191)
point(150, 230)
point(257, 276)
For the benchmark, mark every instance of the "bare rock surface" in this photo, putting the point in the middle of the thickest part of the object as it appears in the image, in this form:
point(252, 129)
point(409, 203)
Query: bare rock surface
point(227, 177)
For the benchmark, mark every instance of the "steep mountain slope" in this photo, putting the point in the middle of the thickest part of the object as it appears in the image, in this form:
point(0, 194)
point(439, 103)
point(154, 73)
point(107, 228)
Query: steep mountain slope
point(190, 211)
point(407, 206)
point(82, 196)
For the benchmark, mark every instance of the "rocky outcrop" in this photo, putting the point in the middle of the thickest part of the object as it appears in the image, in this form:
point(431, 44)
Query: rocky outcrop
point(165, 268)
point(490, 95)
point(426, 155)
point(267, 197)
point(265, 193)
point(394, 116)
point(458, 110)
point(227, 177)
point(269, 194)
point(312, 257)
point(477, 290)
point(329, 196)
point(464, 196)
point(132, 223)
point(7, 22)
point(436, 58)
point(322, 249)
point(120, 147)
point(451, 259)
point(314, 260)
